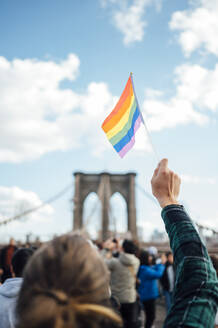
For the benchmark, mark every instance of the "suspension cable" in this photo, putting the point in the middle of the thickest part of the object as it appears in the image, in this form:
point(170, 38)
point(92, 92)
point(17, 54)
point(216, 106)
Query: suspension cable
point(34, 209)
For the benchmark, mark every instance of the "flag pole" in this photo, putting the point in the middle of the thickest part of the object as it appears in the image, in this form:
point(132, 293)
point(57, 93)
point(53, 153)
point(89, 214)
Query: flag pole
point(146, 128)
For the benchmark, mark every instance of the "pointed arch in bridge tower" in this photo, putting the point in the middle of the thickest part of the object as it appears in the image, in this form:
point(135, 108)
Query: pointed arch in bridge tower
point(118, 214)
point(105, 185)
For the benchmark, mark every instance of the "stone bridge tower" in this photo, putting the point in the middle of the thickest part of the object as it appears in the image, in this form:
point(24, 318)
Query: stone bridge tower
point(105, 185)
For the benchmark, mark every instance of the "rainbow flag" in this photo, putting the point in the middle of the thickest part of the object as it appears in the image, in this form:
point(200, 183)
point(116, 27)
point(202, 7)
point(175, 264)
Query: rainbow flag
point(123, 122)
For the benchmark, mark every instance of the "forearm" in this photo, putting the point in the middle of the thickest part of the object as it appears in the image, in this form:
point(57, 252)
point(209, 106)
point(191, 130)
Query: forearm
point(184, 239)
point(196, 288)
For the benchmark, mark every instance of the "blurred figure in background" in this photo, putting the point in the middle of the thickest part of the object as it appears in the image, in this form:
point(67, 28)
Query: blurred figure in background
point(123, 280)
point(116, 249)
point(10, 288)
point(148, 288)
point(5, 259)
point(168, 279)
point(153, 252)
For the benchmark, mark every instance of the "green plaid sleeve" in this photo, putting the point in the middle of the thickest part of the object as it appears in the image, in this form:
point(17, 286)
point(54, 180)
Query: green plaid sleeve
point(195, 296)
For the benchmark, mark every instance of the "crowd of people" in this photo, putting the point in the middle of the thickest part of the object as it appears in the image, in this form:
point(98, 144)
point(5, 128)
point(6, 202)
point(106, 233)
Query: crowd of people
point(138, 278)
point(69, 282)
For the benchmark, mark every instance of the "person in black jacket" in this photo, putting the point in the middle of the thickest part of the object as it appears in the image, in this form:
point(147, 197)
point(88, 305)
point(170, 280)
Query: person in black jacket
point(167, 280)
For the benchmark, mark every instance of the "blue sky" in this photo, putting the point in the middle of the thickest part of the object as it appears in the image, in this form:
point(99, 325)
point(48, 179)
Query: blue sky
point(64, 64)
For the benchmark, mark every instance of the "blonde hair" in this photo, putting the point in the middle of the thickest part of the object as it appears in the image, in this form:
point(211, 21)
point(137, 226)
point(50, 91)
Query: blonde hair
point(66, 284)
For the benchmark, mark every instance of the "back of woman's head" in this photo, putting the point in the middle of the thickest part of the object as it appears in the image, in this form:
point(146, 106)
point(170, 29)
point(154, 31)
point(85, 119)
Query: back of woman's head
point(66, 284)
point(144, 257)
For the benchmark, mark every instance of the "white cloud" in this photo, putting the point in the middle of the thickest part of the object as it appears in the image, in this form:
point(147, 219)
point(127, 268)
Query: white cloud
point(195, 96)
point(13, 201)
point(198, 85)
point(175, 112)
point(129, 17)
point(197, 180)
point(198, 27)
point(38, 115)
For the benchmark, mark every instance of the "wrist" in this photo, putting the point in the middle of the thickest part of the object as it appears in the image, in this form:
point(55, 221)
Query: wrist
point(169, 201)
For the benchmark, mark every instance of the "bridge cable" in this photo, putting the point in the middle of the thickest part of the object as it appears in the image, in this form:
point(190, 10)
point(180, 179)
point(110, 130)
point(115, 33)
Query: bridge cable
point(34, 209)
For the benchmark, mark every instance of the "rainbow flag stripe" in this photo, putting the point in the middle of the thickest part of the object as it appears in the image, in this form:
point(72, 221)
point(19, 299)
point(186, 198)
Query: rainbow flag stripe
point(123, 122)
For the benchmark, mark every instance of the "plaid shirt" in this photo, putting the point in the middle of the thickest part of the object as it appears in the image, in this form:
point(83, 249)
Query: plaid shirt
point(195, 296)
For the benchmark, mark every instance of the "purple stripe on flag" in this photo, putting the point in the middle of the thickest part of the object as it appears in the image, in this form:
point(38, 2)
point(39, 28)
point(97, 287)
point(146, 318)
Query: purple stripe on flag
point(130, 144)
